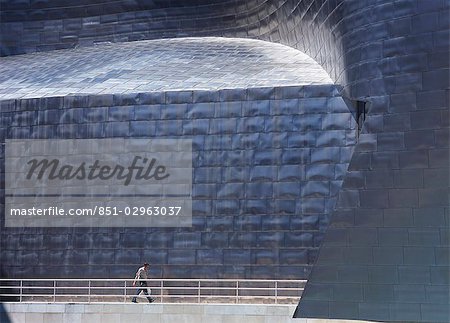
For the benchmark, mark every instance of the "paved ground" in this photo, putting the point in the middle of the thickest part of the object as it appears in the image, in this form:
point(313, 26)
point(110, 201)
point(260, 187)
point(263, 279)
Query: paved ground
point(155, 313)
point(167, 64)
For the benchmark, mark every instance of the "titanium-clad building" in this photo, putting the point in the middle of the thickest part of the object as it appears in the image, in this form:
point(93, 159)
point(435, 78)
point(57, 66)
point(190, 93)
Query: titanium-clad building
point(335, 170)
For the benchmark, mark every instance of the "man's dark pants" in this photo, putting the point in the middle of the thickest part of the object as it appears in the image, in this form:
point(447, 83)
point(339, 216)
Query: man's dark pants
point(143, 288)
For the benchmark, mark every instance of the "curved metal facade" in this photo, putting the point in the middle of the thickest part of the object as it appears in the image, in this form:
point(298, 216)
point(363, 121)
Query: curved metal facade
point(385, 254)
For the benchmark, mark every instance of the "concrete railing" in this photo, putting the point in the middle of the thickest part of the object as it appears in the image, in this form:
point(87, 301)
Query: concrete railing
point(162, 290)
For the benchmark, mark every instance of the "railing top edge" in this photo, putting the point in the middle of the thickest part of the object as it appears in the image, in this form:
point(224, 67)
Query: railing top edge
point(180, 303)
point(151, 279)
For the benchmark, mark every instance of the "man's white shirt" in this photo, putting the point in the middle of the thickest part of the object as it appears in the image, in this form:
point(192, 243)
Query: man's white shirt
point(141, 275)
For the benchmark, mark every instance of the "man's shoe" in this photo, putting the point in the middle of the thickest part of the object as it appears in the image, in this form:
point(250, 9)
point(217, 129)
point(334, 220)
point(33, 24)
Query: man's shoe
point(134, 300)
point(151, 300)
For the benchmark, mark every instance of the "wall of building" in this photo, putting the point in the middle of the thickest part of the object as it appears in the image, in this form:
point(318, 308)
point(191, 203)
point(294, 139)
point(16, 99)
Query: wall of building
point(30, 26)
point(389, 235)
point(267, 166)
point(385, 255)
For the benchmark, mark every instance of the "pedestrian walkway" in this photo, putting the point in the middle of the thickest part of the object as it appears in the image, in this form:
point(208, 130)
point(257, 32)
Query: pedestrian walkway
point(151, 313)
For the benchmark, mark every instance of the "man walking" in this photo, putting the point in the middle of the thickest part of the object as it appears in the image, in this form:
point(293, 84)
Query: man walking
point(141, 277)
